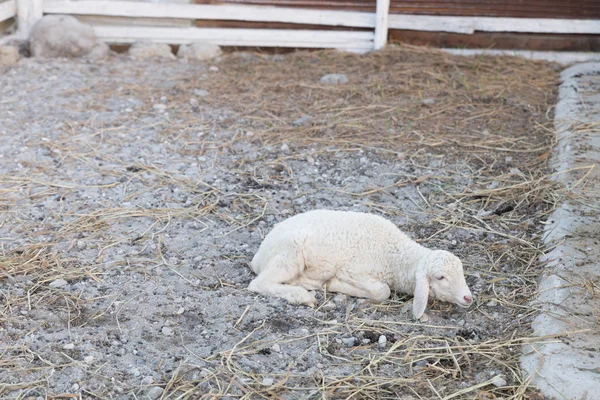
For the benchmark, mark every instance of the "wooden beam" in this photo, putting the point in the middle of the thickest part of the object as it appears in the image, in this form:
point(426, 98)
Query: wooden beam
point(8, 9)
point(212, 12)
point(28, 13)
point(469, 25)
point(381, 23)
point(344, 40)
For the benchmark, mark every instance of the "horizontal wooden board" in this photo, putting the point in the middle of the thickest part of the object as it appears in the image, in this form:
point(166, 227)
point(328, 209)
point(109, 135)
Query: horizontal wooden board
point(585, 9)
point(346, 40)
point(8, 10)
point(512, 41)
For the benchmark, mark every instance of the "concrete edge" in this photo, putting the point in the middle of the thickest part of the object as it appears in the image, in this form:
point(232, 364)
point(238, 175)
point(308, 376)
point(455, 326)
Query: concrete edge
point(560, 57)
point(553, 366)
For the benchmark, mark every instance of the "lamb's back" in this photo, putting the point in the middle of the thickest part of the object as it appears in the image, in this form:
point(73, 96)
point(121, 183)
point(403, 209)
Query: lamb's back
point(332, 239)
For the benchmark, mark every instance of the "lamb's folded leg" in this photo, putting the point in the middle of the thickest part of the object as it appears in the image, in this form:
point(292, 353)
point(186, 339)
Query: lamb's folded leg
point(367, 288)
point(272, 281)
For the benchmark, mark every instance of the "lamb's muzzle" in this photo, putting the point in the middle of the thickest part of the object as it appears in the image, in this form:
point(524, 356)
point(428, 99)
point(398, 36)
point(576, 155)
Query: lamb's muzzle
point(358, 254)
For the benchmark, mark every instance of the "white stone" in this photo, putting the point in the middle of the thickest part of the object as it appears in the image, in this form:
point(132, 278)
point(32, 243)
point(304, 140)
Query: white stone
point(155, 392)
point(382, 341)
point(58, 283)
point(199, 51)
point(268, 381)
point(69, 346)
point(498, 381)
point(167, 331)
point(140, 50)
point(61, 36)
point(9, 55)
point(334, 79)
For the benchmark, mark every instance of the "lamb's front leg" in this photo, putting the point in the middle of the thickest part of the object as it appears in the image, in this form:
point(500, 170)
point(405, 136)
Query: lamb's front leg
point(274, 281)
point(367, 288)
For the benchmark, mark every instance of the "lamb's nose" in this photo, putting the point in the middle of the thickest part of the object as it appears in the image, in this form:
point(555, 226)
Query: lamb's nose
point(468, 299)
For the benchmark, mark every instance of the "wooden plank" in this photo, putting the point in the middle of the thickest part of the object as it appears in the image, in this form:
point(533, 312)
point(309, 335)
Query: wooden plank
point(8, 9)
point(347, 40)
point(572, 9)
point(499, 40)
point(471, 24)
point(28, 13)
point(211, 12)
point(381, 23)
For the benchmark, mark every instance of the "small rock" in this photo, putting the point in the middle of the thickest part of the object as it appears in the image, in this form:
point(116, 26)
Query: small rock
point(508, 159)
point(180, 311)
point(498, 381)
point(304, 120)
point(142, 50)
point(75, 387)
point(155, 392)
point(213, 69)
point(194, 102)
point(461, 322)
point(167, 331)
point(492, 303)
point(88, 359)
point(321, 366)
point(276, 348)
point(268, 381)
point(285, 148)
point(61, 36)
point(147, 381)
point(310, 160)
point(366, 341)
point(69, 346)
point(428, 102)
point(99, 51)
point(340, 299)
point(58, 283)
point(349, 341)
point(159, 107)
point(515, 171)
point(81, 244)
point(329, 306)
point(382, 341)
point(9, 55)
point(199, 51)
point(201, 92)
point(334, 79)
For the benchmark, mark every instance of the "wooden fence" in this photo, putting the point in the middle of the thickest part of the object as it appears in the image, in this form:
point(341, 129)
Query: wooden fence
point(372, 34)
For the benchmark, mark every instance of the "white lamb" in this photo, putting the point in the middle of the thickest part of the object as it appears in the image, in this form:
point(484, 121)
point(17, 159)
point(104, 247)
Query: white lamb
point(358, 254)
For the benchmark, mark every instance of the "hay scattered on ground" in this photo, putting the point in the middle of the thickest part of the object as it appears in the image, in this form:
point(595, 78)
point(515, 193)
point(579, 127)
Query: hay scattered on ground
point(475, 135)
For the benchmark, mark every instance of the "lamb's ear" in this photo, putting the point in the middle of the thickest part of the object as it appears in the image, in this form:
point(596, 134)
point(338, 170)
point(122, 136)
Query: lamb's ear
point(421, 296)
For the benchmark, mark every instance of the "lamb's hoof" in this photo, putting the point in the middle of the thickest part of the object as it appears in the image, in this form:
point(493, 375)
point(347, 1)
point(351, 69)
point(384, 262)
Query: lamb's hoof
point(424, 318)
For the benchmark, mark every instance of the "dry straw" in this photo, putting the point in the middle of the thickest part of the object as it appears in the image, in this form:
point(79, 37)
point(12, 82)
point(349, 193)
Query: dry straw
point(474, 113)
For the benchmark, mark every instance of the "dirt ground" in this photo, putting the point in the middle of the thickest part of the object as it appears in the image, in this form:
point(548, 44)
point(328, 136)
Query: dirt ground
point(134, 193)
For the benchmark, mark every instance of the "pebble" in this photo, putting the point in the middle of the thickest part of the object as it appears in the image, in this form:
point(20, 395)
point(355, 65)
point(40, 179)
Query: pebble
point(310, 160)
point(58, 283)
point(382, 341)
point(180, 311)
point(201, 92)
point(428, 102)
point(498, 381)
point(155, 392)
point(329, 306)
point(147, 381)
point(276, 348)
point(285, 148)
point(75, 387)
point(319, 365)
point(349, 341)
point(167, 331)
point(69, 346)
point(366, 341)
point(159, 107)
point(194, 102)
point(304, 120)
point(88, 359)
point(268, 381)
point(340, 299)
point(334, 79)
point(492, 303)
point(213, 69)
point(81, 244)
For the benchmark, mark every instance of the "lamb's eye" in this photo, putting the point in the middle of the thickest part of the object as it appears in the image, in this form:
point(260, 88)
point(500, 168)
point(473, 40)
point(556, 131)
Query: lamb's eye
point(441, 278)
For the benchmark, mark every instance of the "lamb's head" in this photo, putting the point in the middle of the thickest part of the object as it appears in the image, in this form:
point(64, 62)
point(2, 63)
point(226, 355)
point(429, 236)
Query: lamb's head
point(440, 275)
